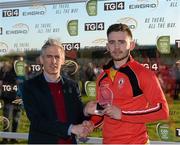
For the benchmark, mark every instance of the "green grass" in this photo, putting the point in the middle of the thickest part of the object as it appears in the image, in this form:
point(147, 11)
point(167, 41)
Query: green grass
point(173, 123)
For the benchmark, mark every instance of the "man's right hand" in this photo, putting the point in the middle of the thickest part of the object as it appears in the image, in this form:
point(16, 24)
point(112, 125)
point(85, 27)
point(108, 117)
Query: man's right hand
point(81, 130)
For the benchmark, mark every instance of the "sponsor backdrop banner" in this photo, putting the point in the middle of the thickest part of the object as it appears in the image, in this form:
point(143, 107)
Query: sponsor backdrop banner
point(81, 27)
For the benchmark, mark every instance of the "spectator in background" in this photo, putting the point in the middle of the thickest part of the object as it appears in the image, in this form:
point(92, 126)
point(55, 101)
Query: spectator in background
point(82, 77)
point(177, 77)
point(90, 76)
point(168, 80)
point(9, 90)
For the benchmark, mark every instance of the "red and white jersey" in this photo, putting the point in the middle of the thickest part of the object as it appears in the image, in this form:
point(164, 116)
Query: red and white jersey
point(137, 92)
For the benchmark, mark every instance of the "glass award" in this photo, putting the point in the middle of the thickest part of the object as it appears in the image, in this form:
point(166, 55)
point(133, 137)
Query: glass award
point(105, 99)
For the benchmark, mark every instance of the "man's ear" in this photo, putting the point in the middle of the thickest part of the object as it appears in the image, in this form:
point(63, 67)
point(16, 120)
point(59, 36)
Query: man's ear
point(132, 45)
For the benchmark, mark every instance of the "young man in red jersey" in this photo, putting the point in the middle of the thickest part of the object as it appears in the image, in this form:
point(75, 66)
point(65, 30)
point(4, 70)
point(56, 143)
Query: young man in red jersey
point(135, 95)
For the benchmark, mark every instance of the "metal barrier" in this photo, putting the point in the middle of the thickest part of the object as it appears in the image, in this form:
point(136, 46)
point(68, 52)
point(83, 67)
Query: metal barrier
point(14, 135)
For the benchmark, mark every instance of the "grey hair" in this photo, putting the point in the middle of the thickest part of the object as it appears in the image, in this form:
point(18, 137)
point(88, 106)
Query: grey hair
point(52, 42)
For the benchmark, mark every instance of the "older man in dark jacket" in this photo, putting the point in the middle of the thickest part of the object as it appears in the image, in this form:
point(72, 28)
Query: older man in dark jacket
point(52, 102)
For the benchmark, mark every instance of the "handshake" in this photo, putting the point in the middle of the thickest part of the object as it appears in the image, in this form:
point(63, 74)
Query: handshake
point(82, 130)
point(91, 108)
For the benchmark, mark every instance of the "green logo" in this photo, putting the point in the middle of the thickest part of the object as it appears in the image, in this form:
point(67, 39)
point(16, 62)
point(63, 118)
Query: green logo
point(90, 88)
point(19, 67)
point(163, 44)
point(163, 131)
point(72, 27)
point(91, 7)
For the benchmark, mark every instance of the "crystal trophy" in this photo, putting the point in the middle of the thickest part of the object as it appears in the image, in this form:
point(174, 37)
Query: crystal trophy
point(105, 99)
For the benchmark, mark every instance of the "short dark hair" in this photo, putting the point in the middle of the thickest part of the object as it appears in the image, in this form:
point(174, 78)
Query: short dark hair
point(119, 27)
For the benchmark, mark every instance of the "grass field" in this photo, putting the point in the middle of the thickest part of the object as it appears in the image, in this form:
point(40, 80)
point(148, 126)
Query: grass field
point(173, 123)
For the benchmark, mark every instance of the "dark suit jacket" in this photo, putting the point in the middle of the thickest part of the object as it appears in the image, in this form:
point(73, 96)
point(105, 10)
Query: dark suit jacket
point(40, 109)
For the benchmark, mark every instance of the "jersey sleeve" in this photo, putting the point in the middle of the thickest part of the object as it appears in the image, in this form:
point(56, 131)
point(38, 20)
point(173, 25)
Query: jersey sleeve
point(97, 120)
point(157, 107)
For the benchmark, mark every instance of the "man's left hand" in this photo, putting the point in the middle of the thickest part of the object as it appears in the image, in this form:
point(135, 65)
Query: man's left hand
point(113, 112)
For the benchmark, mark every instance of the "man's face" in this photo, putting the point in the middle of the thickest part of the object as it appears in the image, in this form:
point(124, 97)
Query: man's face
point(52, 58)
point(119, 45)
